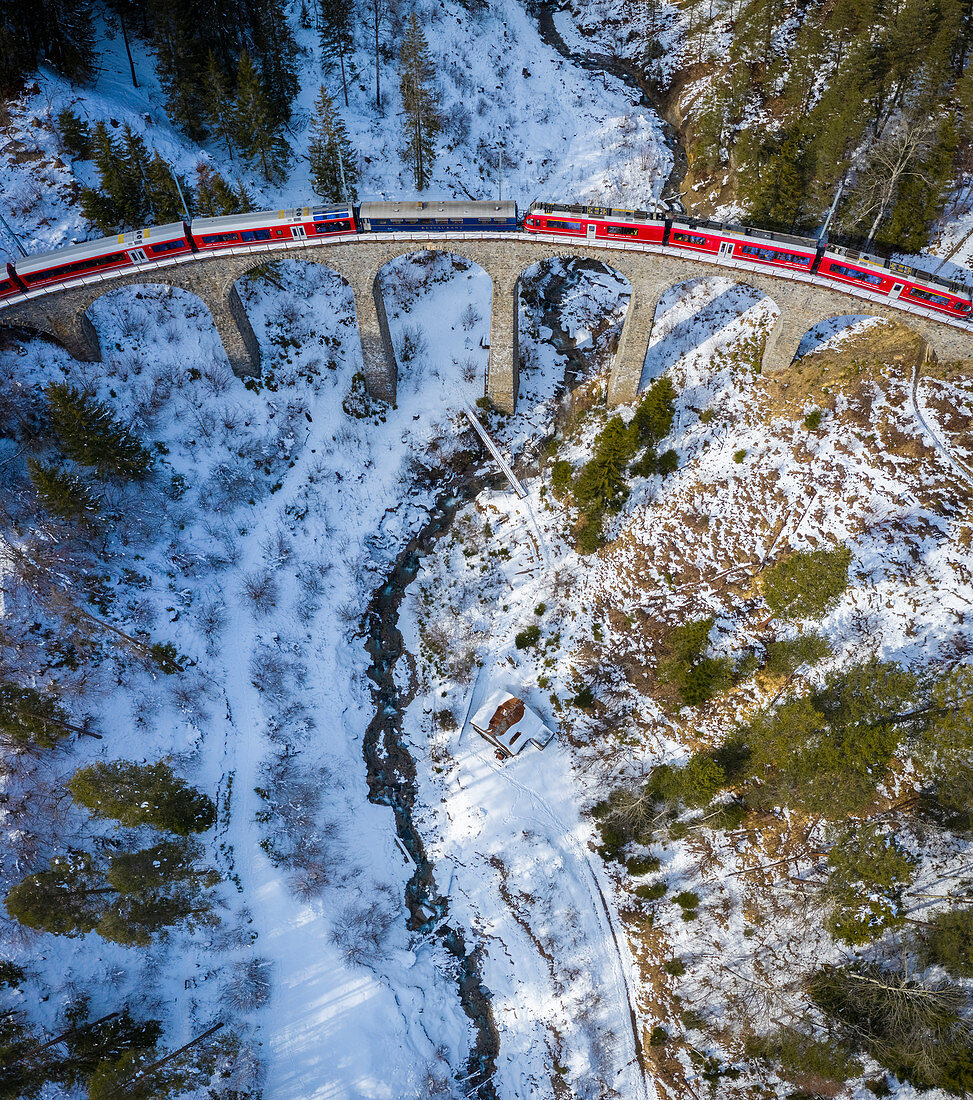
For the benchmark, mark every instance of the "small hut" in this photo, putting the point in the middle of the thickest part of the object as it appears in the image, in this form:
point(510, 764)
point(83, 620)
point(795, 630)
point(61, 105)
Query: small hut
point(509, 724)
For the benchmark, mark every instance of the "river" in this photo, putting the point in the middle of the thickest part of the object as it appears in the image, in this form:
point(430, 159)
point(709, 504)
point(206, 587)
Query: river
point(392, 778)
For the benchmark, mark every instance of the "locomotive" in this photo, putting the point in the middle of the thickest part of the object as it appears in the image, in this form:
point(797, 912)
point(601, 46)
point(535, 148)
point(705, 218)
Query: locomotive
point(737, 246)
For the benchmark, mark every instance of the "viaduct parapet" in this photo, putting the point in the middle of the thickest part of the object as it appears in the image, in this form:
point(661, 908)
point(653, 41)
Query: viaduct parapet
point(62, 314)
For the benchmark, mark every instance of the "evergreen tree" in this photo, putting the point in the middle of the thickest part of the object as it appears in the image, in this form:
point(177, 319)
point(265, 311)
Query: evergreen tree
point(92, 436)
point(653, 418)
point(807, 583)
point(142, 794)
point(133, 172)
point(217, 102)
point(334, 173)
point(601, 481)
point(336, 36)
point(75, 135)
point(422, 122)
point(255, 128)
point(868, 872)
point(64, 494)
point(30, 718)
point(57, 32)
point(103, 205)
point(214, 197)
point(75, 896)
point(90, 1044)
point(66, 900)
point(162, 192)
point(155, 868)
point(275, 51)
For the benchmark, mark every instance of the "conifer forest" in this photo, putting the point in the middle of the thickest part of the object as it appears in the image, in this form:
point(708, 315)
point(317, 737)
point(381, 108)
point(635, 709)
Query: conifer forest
point(486, 558)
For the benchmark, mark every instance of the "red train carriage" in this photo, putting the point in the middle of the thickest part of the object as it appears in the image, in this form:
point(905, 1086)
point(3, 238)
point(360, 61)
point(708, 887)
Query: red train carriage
point(142, 246)
point(895, 281)
point(749, 246)
point(595, 223)
point(266, 226)
point(9, 283)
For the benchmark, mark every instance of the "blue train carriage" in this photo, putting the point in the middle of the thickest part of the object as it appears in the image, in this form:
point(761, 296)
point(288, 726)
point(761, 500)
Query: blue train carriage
point(390, 217)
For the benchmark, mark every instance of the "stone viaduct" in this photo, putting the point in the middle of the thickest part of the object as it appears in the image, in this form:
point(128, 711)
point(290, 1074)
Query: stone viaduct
point(802, 305)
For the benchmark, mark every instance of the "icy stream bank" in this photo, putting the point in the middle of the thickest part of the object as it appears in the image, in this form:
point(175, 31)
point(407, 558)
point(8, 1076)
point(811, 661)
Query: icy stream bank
point(392, 780)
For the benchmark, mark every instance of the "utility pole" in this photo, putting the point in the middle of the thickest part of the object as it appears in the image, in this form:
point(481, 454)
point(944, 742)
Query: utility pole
point(834, 206)
point(3, 220)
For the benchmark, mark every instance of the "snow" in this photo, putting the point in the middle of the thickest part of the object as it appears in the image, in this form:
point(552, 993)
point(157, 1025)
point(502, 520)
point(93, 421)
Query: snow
point(278, 510)
point(563, 133)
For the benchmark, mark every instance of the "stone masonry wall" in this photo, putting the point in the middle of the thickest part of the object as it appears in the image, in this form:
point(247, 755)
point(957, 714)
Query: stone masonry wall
point(62, 314)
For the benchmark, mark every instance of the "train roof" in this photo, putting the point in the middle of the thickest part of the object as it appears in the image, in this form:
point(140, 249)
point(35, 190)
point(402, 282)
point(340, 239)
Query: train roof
point(745, 231)
point(597, 211)
point(258, 218)
point(914, 273)
point(99, 247)
point(430, 211)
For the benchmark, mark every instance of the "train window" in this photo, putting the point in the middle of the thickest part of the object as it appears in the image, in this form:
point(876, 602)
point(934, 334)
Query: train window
point(553, 223)
point(854, 273)
point(5, 285)
point(928, 296)
point(63, 270)
point(167, 246)
point(255, 235)
point(622, 230)
point(220, 238)
point(332, 227)
point(771, 255)
point(689, 238)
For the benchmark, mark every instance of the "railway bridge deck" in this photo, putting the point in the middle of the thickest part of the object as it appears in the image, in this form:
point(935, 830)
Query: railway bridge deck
point(803, 301)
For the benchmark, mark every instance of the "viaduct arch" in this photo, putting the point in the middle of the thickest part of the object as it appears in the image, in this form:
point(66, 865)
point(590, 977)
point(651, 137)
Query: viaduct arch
point(359, 261)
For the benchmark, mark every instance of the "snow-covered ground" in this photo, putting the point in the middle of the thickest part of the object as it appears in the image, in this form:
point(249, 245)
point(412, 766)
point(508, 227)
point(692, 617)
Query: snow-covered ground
point(564, 133)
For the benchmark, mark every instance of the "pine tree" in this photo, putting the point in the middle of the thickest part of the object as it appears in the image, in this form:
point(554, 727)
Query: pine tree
point(90, 1044)
point(336, 35)
point(75, 896)
point(162, 192)
point(31, 718)
point(334, 174)
point(59, 32)
point(92, 436)
point(64, 494)
point(217, 102)
point(75, 135)
point(66, 900)
point(102, 205)
point(133, 171)
point(142, 794)
point(419, 105)
point(255, 129)
point(155, 868)
point(275, 50)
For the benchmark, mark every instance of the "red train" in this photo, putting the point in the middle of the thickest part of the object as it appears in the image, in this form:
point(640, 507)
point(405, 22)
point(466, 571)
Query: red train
point(737, 246)
point(841, 267)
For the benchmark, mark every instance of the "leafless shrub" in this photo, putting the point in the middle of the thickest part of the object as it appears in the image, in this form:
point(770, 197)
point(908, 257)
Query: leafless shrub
point(211, 619)
point(470, 369)
point(413, 344)
point(249, 985)
point(216, 378)
point(276, 549)
point(268, 671)
point(362, 930)
point(190, 697)
point(469, 318)
point(260, 588)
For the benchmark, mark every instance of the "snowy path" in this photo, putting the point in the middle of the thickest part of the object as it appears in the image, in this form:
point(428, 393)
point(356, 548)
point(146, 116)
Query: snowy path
point(587, 873)
point(925, 421)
